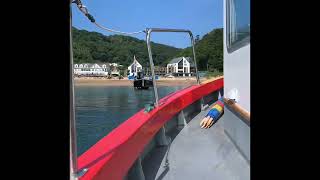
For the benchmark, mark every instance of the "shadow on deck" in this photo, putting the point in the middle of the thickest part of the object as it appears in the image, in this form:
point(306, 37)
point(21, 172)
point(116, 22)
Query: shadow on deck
point(196, 153)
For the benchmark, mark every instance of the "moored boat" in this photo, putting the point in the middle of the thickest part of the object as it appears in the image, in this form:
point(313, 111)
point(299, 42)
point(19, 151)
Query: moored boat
point(140, 82)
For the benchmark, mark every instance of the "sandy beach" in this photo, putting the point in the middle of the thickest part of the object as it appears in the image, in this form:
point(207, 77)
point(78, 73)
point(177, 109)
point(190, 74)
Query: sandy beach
point(181, 81)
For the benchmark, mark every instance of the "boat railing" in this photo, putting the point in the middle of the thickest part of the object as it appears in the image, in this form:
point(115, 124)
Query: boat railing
point(148, 39)
point(237, 109)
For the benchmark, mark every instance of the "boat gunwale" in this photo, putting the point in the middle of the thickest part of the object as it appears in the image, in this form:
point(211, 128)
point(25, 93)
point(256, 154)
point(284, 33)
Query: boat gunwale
point(113, 155)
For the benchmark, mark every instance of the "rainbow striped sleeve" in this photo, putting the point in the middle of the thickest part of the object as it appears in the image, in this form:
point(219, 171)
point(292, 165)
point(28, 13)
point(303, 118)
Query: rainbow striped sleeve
point(216, 109)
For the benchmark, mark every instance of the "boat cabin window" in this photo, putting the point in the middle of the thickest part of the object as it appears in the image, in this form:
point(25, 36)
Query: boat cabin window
point(238, 24)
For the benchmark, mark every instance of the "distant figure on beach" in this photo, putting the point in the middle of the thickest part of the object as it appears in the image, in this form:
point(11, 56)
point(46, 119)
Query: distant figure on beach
point(213, 115)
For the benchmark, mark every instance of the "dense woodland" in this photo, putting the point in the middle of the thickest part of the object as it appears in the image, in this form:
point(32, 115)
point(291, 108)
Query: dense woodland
point(93, 47)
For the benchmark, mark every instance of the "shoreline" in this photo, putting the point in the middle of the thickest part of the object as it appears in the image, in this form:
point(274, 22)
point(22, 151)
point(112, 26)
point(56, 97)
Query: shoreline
point(183, 81)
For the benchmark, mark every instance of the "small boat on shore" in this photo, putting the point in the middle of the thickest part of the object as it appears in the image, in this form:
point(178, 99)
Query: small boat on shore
point(141, 83)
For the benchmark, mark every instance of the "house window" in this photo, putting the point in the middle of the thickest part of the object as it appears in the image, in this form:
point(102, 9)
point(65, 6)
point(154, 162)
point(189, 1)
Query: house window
point(185, 69)
point(238, 24)
point(180, 64)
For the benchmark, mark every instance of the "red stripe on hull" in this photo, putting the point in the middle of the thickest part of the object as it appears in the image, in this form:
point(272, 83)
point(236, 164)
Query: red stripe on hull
point(112, 156)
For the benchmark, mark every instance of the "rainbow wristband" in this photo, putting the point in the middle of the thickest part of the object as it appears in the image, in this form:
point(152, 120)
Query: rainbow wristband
point(216, 110)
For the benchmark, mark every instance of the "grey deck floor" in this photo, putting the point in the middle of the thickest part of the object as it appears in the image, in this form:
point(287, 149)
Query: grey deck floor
point(197, 153)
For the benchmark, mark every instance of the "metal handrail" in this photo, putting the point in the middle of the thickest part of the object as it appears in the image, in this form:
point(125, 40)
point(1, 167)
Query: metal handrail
point(148, 35)
point(73, 137)
point(237, 109)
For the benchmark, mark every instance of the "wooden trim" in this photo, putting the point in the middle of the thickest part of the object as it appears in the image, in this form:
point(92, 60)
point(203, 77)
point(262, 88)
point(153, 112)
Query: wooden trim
point(237, 108)
point(211, 80)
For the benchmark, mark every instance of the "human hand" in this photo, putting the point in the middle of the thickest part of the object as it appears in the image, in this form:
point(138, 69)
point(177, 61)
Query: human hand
point(206, 122)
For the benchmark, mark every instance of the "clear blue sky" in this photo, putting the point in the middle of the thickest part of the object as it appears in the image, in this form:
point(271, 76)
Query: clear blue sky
point(200, 16)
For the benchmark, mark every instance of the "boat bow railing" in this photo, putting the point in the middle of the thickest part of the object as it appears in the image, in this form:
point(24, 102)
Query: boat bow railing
point(148, 39)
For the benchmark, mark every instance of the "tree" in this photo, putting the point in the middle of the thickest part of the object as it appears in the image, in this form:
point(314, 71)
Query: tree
point(209, 51)
point(197, 39)
point(94, 47)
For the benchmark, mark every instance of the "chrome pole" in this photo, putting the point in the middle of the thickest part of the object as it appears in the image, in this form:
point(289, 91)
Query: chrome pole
point(73, 134)
point(155, 90)
point(194, 57)
point(148, 36)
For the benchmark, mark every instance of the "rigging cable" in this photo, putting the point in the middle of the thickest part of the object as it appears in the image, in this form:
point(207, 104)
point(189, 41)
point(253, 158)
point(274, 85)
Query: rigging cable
point(84, 10)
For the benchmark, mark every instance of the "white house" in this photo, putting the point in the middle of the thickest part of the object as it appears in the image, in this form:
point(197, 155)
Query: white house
point(91, 69)
point(114, 69)
point(180, 66)
point(134, 67)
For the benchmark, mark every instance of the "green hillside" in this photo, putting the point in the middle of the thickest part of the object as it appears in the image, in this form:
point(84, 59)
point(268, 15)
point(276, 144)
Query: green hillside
point(209, 51)
point(95, 47)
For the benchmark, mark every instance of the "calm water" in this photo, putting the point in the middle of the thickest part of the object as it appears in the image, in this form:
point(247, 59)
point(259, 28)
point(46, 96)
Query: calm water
point(101, 109)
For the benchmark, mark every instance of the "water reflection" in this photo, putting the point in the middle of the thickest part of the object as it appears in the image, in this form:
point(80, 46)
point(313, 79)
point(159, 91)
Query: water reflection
point(101, 109)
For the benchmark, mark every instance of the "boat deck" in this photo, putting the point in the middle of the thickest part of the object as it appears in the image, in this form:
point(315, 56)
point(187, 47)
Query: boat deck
point(197, 153)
